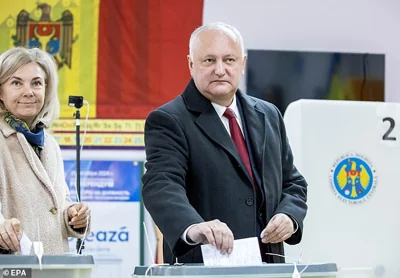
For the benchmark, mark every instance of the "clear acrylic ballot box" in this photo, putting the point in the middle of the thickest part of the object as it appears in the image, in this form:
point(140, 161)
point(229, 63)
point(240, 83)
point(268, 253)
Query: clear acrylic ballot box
point(53, 266)
point(266, 271)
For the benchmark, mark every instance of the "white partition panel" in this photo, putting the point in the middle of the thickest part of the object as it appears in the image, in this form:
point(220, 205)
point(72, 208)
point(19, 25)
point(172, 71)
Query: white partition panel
point(349, 153)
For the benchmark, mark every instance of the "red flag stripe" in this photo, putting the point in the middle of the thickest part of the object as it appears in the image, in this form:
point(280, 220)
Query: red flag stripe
point(142, 54)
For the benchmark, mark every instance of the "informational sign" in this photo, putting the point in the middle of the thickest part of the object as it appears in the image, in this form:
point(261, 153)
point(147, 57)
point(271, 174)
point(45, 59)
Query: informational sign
point(103, 134)
point(112, 190)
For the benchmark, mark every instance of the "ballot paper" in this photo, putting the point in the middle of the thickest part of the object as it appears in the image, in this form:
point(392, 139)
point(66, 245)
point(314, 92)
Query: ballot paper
point(245, 252)
point(25, 244)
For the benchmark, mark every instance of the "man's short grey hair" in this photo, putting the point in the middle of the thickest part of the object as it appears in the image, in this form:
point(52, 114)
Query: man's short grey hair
point(227, 29)
point(14, 59)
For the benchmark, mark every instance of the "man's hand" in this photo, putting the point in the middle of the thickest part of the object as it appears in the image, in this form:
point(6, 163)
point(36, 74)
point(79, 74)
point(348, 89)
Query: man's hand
point(78, 215)
point(10, 234)
point(279, 229)
point(214, 232)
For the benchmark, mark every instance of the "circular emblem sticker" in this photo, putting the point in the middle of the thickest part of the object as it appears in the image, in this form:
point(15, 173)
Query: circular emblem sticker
point(353, 178)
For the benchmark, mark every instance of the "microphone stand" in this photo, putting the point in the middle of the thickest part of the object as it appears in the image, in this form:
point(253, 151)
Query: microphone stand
point(78, 171)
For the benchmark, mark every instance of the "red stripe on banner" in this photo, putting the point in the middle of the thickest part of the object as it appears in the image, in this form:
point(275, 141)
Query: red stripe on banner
point(128, 17)
point(156, 53)
point(141, 51)
point(178, 21)
point(109, 59)
point(142, 55)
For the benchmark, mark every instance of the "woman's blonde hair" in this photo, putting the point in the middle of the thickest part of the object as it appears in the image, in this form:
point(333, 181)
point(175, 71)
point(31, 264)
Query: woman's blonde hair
point(15, 58)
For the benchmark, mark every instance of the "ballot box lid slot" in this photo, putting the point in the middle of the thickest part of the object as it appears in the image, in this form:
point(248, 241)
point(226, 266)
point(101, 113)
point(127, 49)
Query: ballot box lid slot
point(49, 261)
point(201, 270)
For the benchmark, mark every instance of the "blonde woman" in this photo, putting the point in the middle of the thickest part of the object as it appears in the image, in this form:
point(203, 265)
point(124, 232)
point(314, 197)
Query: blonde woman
point(34, 197)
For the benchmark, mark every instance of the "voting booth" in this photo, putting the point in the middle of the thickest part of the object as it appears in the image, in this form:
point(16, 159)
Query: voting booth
point(60, 266)
point(265, 271)
point(348, 152)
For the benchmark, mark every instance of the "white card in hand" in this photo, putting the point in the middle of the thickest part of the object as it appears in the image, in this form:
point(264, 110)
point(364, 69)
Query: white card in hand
point(25, 244)
point(245, 252)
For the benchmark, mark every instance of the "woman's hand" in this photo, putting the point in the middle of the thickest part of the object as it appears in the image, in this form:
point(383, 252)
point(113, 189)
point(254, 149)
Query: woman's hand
point(78, 215)
point(10, 234)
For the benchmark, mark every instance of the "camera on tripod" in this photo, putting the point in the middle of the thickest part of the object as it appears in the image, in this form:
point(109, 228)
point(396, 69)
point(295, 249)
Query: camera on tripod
point(75, 101)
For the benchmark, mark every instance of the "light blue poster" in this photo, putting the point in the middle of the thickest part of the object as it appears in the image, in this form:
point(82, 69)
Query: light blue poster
point(112, 190)
point(105, 181)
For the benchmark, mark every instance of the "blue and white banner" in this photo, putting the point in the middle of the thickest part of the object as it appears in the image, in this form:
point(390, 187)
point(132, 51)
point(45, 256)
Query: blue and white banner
point(112, 190)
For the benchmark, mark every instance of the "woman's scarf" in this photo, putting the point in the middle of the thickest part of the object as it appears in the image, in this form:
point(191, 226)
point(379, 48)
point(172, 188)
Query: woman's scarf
point(35, 137)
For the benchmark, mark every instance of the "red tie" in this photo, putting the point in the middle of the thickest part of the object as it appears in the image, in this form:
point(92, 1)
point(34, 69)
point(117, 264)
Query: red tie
point(238, 139)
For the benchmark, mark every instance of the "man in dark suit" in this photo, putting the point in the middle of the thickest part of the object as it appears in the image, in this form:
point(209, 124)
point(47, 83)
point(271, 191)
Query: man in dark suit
point(219, 165)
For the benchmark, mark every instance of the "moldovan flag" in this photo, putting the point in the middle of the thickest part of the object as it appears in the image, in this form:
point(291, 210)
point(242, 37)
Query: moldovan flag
point(125, 57)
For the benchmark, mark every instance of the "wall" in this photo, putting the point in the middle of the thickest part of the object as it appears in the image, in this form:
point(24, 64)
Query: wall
point(342, 25)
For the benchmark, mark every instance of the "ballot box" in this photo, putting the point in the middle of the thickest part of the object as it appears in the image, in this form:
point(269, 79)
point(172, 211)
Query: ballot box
point(265, 271)
point(349, 153)
point(55, 266)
